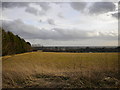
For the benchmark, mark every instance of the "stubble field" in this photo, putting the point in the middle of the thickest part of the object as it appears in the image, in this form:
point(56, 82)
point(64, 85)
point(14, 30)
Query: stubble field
point(61, 70)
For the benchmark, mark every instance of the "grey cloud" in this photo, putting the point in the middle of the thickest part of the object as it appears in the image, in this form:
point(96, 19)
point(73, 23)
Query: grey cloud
point(108, 36)
point(44, 5)
point(51, 21)
point(60, 15)
point(69, 34)
point(40, 20)
point(101, 7)
point(32, 10)
point(0, 4)
point(116, 15)
point(14, 4)
point(59, 2)
point(42, 12)
point(28, 31)
point(31, 32)
point(19, 28)
point(78, 5)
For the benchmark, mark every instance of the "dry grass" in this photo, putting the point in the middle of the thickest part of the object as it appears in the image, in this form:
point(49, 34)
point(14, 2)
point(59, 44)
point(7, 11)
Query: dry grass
point(60, 70)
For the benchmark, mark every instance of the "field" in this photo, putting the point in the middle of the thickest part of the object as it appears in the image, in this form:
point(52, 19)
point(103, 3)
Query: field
point(60, 70)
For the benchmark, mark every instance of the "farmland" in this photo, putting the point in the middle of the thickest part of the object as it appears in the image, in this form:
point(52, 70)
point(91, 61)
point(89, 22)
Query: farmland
point(60, 70)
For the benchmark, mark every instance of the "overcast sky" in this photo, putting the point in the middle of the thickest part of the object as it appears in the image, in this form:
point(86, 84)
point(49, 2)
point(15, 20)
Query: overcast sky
point(63, 23)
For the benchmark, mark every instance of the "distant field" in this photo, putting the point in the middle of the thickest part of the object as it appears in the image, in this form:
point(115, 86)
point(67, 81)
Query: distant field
point(60, 70)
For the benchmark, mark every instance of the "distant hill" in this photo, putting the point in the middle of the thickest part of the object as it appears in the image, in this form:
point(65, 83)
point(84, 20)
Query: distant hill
point(13, 44)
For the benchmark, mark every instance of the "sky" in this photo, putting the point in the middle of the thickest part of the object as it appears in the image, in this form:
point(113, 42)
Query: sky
point(63, 23)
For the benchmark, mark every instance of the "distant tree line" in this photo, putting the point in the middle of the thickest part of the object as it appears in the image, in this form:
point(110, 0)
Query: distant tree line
point(13, 44)
point(77, 49)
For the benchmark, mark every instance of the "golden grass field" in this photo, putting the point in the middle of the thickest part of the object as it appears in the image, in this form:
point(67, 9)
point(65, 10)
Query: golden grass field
point(60, 70)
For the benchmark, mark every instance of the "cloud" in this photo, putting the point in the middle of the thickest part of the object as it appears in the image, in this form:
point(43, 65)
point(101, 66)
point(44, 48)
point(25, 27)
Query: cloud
point(60, 15)
point(94, 7)
point(116, 15)
point(78, 5)
point(32, 10)
point(39, 8)
point(72, 34)
point(14, 4)
point(101, 7)
point(51, 21)
point(44, 5)
point(0, 4)
point(26, 31)
point(20, 28)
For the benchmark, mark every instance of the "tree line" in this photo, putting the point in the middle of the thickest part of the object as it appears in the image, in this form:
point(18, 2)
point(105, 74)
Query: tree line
point(13, 44)
point(77, 49)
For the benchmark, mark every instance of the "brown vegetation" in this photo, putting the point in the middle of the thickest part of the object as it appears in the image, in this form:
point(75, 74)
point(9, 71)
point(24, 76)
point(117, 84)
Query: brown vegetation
point(61, 70)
